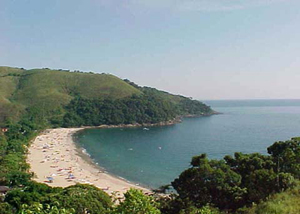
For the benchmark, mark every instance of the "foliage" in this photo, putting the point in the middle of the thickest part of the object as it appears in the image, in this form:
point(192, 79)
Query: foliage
point(38, 208)
point(281, 203)
point(172, 204)
point(6, 208)
point(203, 210)
point(152, 106)
point(241, 180)
point(260, 175)
point(79, 198)
point(13, 150)
point(193, 108)
point(49, 90)
point(210, 182)
point(17, 178)
point(135, 109)
point(84, 198)
point(287, 156)
point(45, 93)
point(185, 106)
point(136, 203)
point(3, 146)
point(32, 193)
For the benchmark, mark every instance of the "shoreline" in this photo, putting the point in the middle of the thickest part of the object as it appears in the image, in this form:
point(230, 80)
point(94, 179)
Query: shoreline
point(57, 160)
point(82, 153)
point(164, 123)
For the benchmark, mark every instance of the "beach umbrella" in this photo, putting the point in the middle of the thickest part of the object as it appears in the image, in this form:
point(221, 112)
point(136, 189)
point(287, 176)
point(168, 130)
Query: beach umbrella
point(71, 176)
point(50, 179)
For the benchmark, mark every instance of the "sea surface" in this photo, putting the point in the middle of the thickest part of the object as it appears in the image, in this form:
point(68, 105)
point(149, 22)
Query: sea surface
point(156, 156)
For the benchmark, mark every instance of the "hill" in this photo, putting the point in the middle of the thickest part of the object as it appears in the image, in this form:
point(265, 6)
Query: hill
point(47, 93)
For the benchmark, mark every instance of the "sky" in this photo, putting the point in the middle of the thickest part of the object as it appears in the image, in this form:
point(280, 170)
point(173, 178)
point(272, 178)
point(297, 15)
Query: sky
point(205, 49)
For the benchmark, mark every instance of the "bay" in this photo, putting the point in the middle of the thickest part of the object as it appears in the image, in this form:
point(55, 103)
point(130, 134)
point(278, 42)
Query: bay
point(156, 156)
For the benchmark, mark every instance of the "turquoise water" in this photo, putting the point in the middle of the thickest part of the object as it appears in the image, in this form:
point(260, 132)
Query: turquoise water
point(156, 156)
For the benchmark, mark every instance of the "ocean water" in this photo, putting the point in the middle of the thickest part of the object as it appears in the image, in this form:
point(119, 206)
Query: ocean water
point(157, 156)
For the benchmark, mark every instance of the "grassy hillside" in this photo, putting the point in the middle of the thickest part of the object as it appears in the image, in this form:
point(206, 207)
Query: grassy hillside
point(46, 94)
point(287, 202)
point(9, 81)
point(50, 90)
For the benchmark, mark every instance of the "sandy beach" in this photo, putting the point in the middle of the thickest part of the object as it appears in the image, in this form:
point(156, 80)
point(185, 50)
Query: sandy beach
point(56, 161)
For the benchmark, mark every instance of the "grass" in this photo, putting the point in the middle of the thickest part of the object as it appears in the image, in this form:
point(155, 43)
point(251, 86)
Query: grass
point(52, 89)
point(48, 91)
point(287, 202)
point(8, 86)
point(64, 85)
point(175, 99)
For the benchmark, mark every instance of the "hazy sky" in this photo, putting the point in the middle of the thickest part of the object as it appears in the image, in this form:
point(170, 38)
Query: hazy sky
point(207, 49)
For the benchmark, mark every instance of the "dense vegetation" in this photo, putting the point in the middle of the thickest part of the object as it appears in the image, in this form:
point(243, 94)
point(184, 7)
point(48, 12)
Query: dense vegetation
point(135, 109)
point(147, 108)
point(61, 97)
point(237, 182)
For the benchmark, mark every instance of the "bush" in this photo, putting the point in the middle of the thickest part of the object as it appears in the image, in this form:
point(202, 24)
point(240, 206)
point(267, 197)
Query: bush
point(6, 208)
point(136, 203)
point(83, 199)
point(38, 208)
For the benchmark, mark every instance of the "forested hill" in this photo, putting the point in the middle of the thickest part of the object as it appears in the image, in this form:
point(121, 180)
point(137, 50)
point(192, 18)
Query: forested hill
point(64, 98)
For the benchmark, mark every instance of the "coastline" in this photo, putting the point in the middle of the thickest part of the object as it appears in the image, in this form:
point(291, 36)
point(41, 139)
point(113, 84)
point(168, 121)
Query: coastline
point(56, 159)
point(55, 155)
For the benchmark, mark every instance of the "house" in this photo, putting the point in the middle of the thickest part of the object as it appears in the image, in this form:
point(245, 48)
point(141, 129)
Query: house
point(3, 190)
point(4, 130)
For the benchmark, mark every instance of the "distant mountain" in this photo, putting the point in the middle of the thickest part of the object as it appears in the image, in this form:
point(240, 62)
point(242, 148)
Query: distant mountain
point(48, 94)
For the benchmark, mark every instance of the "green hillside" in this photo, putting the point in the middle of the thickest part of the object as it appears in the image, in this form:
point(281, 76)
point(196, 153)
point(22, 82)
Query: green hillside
point(50, 90)
point(187, 106)
point(47, 93)
point(9, 81)
point(287, 202)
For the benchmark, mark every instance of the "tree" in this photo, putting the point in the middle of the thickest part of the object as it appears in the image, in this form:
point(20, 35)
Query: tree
point(287, 156)
point(17, 178)
point(210, 182)
point(3, 146)
point(203, 210)
point(240, 180)
point(136, 203)
point(38, 208)
point(258, 174)
point(6, 208)
point(84, 198)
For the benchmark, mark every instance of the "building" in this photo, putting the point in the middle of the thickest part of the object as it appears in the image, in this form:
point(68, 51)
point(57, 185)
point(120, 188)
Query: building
point(4, 130)
point(3, 190)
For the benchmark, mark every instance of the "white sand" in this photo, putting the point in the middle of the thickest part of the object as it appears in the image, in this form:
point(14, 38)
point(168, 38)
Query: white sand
point(54, 154)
